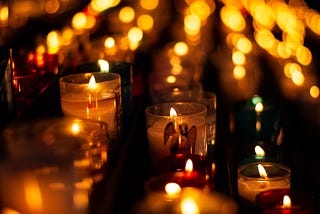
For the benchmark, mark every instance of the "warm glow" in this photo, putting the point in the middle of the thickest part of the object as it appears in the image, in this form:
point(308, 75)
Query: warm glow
point(181, 48)
point(232, 18)
point(189, 166)
point(92, 83)
point(126, 14)
point(291, 68)
point(192, 24)
point(239, 72)
point(314, 91)
point(149, 4)
point(258, 107)
point(101, 5)
point(189, 206)
point(244, 45)
point(52, 6)
point(81, 199)
point(53, 42)
point(297, 77)
point(171, 79)
point(135, 35)
point(79, 21)
point(9, 211)
point(32, 194)
point(173, 112)
point(265, 39)
point(104, 65)
point(286, 202)
point(259, 151)
point(75, 128)
point(4, 15)
point(145, 22)
point(303, 55)
point(66, 36)
point(262, 171)
point(238, 58)
point(172, 188)
point(201, 9)
point(109, 42)
point(176, 69)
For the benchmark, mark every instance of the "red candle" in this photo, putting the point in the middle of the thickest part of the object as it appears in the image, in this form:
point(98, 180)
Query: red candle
point(186, 178)
point(286, 208)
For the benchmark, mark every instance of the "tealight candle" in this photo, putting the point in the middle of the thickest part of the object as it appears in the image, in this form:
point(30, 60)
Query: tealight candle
point(286, 208)
point(183, 132)
point(186, 178)
point(178, 199)
point(95, 95)
point(263, 183)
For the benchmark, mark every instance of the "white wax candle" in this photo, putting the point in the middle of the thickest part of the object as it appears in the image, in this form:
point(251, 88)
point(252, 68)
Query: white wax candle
point(256, 178)
point(155, 133)
point(102, 108)
point(249, 189)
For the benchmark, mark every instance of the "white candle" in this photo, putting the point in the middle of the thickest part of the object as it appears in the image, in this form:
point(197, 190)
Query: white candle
point(98, 98)
point(251, 184)
point(156, 131)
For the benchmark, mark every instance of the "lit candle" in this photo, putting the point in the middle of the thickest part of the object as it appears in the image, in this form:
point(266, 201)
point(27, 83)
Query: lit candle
point(178, 134)
point(286, 208)
point(263, 183)
point(176, 199)
point(187, 178)
point(93, 96)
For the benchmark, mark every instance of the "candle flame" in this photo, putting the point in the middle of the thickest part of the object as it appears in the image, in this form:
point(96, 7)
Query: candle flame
point(286, 202)
point(104, 65)
point(75, 128)
point(259, 151)
point(262, 171)
point(173, 112)
point(92, 83)
point(189, 166)
point(172, 188)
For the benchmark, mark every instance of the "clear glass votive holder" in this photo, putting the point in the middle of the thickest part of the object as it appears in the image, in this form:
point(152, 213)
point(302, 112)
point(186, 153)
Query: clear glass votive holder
point(263, 184)
point(207, 98)
point(51, 165)
point(175, 130)
point(95, 95)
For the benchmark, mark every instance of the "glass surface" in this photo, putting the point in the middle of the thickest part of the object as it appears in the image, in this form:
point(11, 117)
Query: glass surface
point(101, 102)
point(51, 164)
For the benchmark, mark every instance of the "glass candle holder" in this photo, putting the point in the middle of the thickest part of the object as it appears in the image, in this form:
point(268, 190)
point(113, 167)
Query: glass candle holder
point(96, 96)
point(175, 130)
point(263, 184)
point(186, 200)
point(207, 98)
point(51, 164)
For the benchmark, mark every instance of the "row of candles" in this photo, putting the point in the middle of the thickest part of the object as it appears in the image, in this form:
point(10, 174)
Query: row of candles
point(177, 141)
point(263, 182)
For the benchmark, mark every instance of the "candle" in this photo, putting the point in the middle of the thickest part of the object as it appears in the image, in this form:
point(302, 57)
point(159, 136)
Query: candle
point(176, 135)
point(53, 167)
point(286, 208)
point(263, 183)
point(95, 96)
point(178, 199)
point(186, 178)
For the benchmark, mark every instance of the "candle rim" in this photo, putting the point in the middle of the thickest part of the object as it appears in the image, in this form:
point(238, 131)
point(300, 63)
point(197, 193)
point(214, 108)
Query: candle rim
point(285, 169)
point(83, 78)
point(157, 110)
